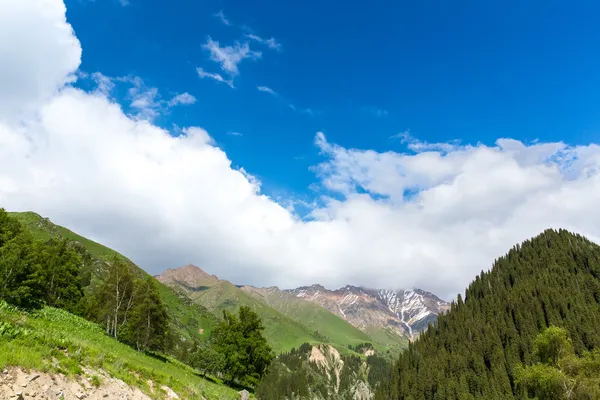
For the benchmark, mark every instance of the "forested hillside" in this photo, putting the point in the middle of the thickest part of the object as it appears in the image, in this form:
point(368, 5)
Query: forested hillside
point(478, 349)
point(321, 372)
point(186, 318)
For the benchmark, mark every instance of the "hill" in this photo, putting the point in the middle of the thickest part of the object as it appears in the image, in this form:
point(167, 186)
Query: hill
point(476, 349)
point(69, 347)
point(217, 295)
point(187, 318)
point(321, 372)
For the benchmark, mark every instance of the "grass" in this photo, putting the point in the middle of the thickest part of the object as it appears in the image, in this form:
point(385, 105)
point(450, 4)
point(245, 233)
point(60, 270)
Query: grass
point(281, 332)
point(52, 340)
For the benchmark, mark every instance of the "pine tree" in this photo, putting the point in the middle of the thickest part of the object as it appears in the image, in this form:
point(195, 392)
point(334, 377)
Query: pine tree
point(476, 349)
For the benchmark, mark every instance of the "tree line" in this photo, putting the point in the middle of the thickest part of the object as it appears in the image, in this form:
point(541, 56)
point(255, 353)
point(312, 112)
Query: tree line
point(124, 301)
point(36, 273)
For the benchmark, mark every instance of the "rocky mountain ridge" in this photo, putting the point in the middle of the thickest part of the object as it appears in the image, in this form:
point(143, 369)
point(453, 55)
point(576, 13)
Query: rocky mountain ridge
point(401, 313)
point(404, 312)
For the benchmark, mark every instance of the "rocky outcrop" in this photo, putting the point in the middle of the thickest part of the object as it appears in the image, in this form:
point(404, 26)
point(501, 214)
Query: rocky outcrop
point(17, 384)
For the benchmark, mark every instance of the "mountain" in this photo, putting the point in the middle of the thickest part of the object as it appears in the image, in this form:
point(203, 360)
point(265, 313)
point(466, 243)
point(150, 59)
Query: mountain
point(283, 332)
point(478, 348)
point(325, 323)
point(382, 313)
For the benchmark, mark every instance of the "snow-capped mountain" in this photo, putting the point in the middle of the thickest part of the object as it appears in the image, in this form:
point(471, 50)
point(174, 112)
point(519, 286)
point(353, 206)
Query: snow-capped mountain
point(375, 311)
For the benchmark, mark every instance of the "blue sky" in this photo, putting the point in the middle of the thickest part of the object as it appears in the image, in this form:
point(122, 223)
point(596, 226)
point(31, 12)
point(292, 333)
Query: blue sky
point(469, 70)
point(435, 139)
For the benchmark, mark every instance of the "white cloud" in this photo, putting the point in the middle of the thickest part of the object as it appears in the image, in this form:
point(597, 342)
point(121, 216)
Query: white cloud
point(145, 101)
point(431, 219)
point(234, 133)
point(230, 56)
point(266, 89)
point(222, 17)
point(419, 146)
point(271, 42)
point(217, 77)
point(39, 53)
point(183, 98)
point(104, 84)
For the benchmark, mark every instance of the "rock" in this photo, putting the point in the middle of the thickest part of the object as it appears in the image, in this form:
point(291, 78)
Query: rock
point(80, 395)
point(244, 395)
point(170, 393)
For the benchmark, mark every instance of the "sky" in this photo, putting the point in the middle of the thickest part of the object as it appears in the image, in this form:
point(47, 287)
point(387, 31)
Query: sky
point(387, 145)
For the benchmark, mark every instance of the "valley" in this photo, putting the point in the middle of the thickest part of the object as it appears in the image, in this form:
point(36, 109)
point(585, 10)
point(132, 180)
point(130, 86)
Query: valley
point(327, 344)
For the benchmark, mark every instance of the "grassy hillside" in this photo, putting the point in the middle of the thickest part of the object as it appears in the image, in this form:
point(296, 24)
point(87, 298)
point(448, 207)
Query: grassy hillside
point(388, 338)
point(282, 332)
point(53, 340)
point(336, 329)
point(187, 317)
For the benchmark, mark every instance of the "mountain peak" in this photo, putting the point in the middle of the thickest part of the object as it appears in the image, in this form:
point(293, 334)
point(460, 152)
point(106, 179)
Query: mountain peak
point(405, 312)
point(189, 275)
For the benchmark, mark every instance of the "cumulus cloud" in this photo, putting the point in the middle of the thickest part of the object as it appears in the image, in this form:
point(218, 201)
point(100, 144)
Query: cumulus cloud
point(431, 219)
point(39, 53)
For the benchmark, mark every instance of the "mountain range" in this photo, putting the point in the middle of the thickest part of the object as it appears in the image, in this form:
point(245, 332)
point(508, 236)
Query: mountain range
point(337, 344)
point(346, 316)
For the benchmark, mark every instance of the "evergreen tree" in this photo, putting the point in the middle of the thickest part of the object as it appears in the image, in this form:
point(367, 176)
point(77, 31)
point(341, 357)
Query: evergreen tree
point(147, 325)
point(58, 265)
point(475, 350)
point(241, 342)
point(21, 282)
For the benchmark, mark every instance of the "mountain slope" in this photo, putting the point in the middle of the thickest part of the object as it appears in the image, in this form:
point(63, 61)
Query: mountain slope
point(321, 372)
point(309, 314)
point(187, 318)
point(282, 332)
point(54, 341)
point(476, 348)
point(385, 314)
